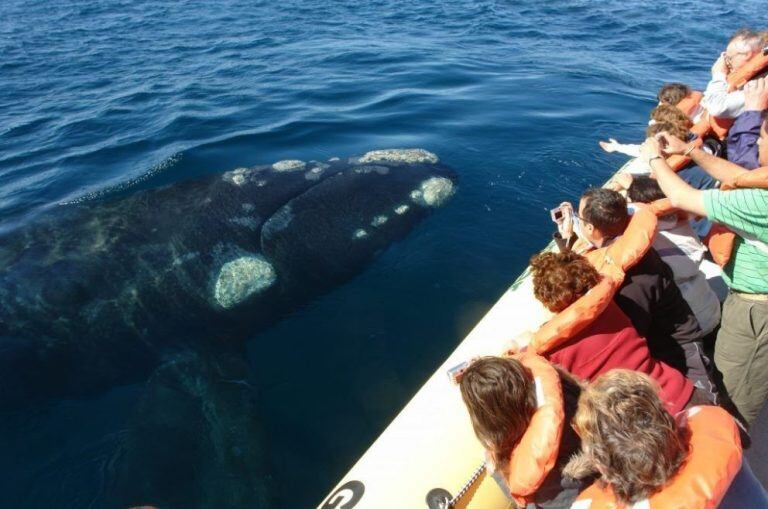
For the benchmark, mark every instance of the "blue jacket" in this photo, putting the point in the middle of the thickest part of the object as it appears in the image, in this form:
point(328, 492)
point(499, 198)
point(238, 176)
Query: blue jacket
point(742, 139)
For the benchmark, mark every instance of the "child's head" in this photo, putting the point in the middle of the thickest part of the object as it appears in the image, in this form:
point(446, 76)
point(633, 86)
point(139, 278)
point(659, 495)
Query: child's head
point(671, 114)
point(673, 93)
point(500, 394)
point(644, 190)
point(676, 130)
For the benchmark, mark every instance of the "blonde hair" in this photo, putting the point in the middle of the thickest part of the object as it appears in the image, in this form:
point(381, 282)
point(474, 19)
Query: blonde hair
point(675, 130)
point(672, 114)
point(628, 435)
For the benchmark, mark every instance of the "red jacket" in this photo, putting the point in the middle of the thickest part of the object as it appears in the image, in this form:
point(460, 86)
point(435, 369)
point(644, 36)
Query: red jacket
point(612, 342)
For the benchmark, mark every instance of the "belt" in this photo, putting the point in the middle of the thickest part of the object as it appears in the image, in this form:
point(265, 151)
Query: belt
point(763, 297)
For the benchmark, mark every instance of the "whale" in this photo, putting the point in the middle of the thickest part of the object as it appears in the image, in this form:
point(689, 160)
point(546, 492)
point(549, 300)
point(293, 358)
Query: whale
point(100, 294)
point(195, 440)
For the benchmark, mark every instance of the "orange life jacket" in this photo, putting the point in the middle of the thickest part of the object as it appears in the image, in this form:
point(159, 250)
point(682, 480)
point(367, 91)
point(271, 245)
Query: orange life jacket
point(689, 103)
point(720, 239)
point(536, 452)
point(701, 483)
point(701, 128)
point(612, 262)
point(752, 68)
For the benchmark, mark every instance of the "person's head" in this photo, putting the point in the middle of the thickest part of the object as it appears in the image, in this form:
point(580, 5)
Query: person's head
point(644, 189)
point(602, 215)
point(676, 130)
point(744, 44)
point(559, 279)
point(672, 93)
point(628, 435)
point(671, 114)
point(500, 395)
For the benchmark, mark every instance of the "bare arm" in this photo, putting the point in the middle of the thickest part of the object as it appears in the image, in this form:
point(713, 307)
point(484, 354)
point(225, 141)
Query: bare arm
point(717, 167)
point(680, 194)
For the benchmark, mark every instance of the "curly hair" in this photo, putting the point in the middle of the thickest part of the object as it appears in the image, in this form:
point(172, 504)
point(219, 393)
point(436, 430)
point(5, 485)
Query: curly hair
point(628, 435)
point(500, 395)
point(673, 93)
point(675, 130)
point(671, 114)
point(561, 278)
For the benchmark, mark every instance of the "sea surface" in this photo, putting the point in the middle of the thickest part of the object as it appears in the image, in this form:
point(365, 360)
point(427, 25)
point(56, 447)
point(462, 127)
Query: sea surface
point(99, 99)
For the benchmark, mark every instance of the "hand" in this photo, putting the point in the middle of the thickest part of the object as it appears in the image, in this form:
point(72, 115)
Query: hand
point(720, 67)
point(672, 144)
point(517, 344)
point(650, 149)
point(756, 95)
point(609, 146)
point(565, 223)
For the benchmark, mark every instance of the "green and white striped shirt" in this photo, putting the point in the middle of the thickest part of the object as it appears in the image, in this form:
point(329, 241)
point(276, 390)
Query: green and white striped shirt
point(746, 212)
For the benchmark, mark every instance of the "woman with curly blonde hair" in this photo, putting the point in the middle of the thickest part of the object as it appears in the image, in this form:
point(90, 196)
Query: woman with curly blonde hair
point(645, 455)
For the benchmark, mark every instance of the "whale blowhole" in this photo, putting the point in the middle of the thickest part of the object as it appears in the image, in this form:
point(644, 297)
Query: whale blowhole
point(241, 278)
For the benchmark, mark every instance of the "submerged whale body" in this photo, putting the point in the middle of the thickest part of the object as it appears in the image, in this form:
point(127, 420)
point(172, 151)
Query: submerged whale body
point(100, 294)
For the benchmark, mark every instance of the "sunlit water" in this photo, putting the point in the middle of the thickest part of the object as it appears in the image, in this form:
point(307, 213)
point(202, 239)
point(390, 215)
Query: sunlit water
point(99, 99)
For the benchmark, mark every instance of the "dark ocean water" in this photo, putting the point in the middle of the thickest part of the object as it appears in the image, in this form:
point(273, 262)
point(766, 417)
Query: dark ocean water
point(100, 98)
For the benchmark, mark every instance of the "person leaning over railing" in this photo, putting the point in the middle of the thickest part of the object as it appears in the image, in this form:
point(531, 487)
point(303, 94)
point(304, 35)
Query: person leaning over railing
point(521, 409)
point(609, 341)
point(650, 458)
point(649, 295)
point(741, 349)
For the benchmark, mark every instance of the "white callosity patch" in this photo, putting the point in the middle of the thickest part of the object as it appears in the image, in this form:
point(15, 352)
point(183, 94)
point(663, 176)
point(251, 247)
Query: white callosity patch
point(238, 176)
point(334, 159)
point(248, 207)
point(403, 155)
point(433, 192)
point(379, 221)
point(402, 209)
point(279, 220)
point(360, 234)
point(289, 165)
point(316, 172)
point(242, 277)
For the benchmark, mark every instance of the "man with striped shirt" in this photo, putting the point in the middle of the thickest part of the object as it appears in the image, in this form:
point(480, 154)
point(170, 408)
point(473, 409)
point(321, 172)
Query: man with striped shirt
point(741, 350)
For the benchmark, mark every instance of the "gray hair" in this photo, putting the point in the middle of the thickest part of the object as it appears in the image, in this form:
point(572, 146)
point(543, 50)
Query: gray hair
point(750, 40)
